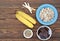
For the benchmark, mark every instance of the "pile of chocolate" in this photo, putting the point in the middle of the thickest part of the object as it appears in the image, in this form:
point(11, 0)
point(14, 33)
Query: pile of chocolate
point(43, 33)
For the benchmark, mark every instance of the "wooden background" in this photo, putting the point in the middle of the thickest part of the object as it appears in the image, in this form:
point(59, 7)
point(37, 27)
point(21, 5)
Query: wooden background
point(11, 29)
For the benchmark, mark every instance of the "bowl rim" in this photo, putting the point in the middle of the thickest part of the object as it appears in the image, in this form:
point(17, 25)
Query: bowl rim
point(38, 13)
point(50, 32)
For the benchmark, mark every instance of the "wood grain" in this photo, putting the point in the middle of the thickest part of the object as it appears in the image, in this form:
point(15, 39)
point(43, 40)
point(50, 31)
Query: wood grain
point(12, 30)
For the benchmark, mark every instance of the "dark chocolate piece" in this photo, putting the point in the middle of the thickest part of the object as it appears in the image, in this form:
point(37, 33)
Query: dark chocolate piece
point(43, 33)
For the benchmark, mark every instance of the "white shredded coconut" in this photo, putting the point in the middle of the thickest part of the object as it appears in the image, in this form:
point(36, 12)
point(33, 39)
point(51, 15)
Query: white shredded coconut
point(46, 14)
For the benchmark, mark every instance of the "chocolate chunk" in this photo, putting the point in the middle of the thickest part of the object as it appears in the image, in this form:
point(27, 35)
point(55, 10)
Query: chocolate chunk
point(43, 33)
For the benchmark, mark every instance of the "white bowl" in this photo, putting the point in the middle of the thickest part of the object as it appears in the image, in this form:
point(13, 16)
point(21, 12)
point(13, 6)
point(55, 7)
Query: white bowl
point(28, 30)
point(49, 31)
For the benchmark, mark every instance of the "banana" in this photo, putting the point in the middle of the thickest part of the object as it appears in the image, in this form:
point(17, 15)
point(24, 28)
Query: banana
point(24, 21)
point(26, 16)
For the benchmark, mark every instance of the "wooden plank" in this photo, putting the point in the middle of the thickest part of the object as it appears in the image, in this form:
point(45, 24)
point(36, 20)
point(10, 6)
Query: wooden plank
point(10, 12)
point(17, 39)
point(14, 23)
point(53, 39)
point(10, 33)
point(15, 33)
point(15, 3)
point(39, 1)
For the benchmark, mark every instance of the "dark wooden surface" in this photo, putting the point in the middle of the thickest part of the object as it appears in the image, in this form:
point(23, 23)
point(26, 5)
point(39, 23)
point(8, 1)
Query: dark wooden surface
point(11, 29)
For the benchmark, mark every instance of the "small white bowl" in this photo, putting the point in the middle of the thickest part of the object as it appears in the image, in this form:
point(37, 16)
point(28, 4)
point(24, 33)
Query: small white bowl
point(25, 32)
point(49, 31)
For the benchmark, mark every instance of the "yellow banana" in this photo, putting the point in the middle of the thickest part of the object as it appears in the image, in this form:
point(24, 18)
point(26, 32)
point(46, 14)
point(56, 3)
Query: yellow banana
point(26, 22)
point(26, 16)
